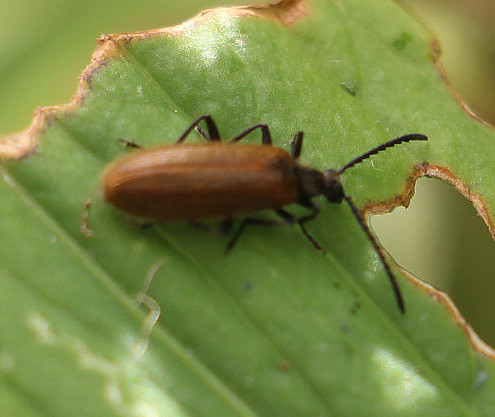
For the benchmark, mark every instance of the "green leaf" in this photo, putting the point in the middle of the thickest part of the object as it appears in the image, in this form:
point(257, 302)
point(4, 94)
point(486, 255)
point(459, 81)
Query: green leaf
point(275, 328)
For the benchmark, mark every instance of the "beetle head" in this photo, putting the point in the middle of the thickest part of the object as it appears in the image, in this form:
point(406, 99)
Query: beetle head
point(312, 183)
point(332, 189)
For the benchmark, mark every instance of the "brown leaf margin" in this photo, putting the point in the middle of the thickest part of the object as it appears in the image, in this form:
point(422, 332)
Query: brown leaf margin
point(444, 174)
point(403, 199)
point(20, 145)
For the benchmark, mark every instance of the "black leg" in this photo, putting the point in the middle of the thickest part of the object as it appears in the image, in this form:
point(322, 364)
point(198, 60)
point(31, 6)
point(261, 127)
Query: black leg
point(304, 219)
point(379, 251)
point(296, 145)
point(288, 218)
point(130, 143)
point(202, 133)
point(315, 210)
point(249, 221)
point(213, 133)
point(223, 229)
point(266, 137)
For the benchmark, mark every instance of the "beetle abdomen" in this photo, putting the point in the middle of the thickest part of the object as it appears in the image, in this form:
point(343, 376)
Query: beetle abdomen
point(192, 182)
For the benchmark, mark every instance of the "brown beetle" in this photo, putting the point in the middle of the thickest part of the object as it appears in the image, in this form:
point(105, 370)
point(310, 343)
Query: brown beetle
point(223, 179)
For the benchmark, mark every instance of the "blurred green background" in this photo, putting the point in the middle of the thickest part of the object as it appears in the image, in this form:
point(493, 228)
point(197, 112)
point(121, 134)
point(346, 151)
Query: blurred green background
point(45, 44)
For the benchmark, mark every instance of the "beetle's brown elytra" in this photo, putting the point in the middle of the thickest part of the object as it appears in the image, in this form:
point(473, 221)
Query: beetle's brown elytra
point(198, 181)
point(193, 182)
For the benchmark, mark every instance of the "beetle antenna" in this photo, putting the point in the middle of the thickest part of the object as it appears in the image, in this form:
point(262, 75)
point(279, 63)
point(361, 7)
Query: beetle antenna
point(389, 144)
point(379, 251)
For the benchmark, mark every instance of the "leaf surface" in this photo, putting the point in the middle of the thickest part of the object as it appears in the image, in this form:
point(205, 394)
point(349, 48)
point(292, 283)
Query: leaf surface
point(275, 328)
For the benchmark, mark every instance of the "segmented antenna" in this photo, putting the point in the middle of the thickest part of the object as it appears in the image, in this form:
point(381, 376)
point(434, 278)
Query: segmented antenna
point(379, 251)
point(389, 144)
point(355, 211)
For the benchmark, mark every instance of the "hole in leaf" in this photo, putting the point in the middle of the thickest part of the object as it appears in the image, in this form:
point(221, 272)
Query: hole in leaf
point(441, 240)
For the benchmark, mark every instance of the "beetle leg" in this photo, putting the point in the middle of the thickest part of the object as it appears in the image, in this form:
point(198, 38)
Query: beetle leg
point(223, 229)
point(266, 137)
point(311, 205)
point(249, 221)
point(130, 143)
point(213, 133)
point(202, 133)
point(296, 145)
point(288, 220)
point(300, 221)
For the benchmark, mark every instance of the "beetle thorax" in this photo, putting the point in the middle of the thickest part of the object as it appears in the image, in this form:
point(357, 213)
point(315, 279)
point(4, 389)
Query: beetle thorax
point(310, 182)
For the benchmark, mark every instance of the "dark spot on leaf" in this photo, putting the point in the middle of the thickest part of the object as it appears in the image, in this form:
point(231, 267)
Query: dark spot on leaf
point(349, 87)
point(248, 286)
point(355, 308)
point(401, 41)
point(284, 366)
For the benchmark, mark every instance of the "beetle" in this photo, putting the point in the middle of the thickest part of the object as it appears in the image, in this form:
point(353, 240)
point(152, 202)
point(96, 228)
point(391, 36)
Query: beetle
point(192, 182)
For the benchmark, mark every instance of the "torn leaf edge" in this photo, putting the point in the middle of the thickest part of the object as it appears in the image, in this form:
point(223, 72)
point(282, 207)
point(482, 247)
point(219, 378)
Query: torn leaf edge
point(20, 145)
